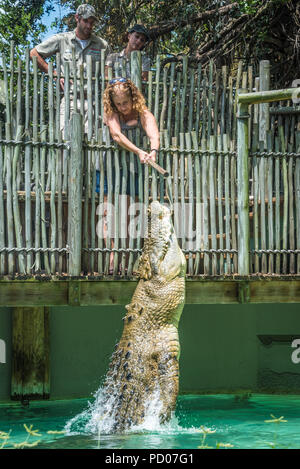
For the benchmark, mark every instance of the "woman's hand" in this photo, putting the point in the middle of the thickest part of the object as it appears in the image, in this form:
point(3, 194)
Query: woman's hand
point(152, 155)
point(143, 156)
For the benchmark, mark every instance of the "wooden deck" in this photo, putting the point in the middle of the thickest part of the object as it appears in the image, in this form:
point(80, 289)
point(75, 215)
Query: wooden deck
point(234, 181)
point(93, 291)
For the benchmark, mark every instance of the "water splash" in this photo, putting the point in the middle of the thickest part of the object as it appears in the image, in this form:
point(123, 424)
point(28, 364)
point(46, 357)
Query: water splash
point(99, 417)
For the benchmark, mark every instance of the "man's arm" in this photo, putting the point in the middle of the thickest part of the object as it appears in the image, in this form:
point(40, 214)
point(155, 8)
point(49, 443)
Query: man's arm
point(43, 66)
point(41, 63)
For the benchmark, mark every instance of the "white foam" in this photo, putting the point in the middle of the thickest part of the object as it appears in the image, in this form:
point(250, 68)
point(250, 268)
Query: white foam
point(99, 417)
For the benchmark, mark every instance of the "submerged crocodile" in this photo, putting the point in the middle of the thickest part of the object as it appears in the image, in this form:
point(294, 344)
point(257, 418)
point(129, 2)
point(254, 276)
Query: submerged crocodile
point(144, 367)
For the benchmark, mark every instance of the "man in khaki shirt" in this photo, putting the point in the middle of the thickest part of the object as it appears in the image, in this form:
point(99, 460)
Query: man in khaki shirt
point(81, 43)
point(137, 38)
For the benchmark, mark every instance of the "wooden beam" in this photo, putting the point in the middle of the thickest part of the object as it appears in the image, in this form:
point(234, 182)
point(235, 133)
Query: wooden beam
point(268, 96)
point(280, 291)
point(33, 293)
point(30, 353)
point(232, 290)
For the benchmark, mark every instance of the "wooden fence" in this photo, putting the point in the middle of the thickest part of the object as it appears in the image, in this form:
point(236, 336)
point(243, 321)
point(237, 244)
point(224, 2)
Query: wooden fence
point(51, 217)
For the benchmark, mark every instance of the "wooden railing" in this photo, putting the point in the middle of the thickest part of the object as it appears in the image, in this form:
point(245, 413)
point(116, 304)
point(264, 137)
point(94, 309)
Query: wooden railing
point(234, 175)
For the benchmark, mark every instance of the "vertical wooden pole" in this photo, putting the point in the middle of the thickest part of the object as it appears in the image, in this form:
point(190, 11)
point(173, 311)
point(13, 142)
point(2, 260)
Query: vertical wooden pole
point(297, 199)
point(75, 195)
point(8, 162)
point(136, 68)
point(28, 164)
point(30, 353)
point(243, 189)
point(2, 223)
point(36, 168)
point(264, 85)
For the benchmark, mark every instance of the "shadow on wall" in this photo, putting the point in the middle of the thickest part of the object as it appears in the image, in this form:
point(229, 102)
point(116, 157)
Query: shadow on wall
point(221, 350)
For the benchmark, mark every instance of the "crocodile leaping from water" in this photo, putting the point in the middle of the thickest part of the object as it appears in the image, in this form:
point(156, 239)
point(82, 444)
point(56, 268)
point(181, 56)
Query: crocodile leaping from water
point(145, 362)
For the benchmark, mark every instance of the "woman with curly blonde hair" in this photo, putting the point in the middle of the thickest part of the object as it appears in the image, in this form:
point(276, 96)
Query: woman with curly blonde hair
point(125, 109)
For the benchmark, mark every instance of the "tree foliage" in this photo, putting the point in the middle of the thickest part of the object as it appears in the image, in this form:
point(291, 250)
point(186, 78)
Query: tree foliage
point(224, 30)
point(20, 21)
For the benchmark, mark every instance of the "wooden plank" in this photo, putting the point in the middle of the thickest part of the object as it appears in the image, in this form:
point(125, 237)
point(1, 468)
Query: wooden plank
point(279, 291)
point(197, 292)
point(33, 293)
point(212, 290)
point(107, 292)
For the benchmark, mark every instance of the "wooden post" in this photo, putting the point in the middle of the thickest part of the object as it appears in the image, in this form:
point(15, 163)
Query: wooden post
point(264, 85)
point(30, 353)
point(75, 195)
point(136, 68)
point(243, 189)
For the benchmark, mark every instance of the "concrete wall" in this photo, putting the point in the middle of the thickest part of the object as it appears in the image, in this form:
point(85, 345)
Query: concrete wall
point(220, 351)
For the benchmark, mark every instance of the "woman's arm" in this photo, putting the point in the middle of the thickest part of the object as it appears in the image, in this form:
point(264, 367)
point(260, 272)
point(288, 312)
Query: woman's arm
point(113, 123)
point(150, 126)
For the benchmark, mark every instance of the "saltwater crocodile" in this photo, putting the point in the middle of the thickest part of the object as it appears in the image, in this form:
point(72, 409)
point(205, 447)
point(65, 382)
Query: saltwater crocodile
point(144, 366)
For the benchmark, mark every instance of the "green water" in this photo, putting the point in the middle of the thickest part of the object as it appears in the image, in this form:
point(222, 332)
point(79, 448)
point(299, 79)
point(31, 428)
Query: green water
point(233, 420)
